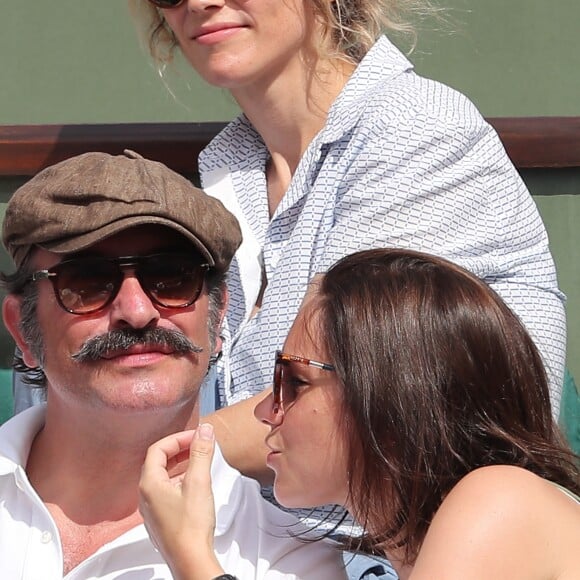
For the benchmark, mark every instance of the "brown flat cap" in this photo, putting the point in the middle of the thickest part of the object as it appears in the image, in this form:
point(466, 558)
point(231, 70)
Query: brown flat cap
point(80, 201)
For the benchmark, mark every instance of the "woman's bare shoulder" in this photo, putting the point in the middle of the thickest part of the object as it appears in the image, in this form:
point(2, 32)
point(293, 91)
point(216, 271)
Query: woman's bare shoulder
point(502, 522)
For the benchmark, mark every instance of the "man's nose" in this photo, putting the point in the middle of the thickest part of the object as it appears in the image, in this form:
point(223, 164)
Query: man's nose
point(131, 306)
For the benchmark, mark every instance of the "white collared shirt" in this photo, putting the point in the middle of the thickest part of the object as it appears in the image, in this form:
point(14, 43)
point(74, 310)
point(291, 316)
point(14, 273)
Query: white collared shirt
point(251, 539)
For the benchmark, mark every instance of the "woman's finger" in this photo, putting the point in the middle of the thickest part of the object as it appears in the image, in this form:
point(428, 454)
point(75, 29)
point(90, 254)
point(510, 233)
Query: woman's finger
point(163, 457)
point(171, 511)
point(201, 452)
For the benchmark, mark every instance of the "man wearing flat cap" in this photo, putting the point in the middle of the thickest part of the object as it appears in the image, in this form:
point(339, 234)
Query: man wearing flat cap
point(116, 302)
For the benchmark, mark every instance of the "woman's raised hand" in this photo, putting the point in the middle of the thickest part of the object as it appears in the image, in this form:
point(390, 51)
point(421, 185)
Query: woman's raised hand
point(176, 502)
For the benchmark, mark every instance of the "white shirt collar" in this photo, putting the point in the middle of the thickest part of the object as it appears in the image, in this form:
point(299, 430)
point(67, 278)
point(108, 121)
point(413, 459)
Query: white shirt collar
point(18, 433)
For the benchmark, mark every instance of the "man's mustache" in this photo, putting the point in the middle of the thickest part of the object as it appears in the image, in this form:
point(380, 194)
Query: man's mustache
point(124, 338)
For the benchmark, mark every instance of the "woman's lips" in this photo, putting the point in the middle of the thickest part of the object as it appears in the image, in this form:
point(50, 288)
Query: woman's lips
point(272, 457)
point(214, 34)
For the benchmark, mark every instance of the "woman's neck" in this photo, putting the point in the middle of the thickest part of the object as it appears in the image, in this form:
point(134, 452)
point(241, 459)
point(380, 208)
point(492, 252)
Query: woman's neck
point(292, 109)
point(289, 112)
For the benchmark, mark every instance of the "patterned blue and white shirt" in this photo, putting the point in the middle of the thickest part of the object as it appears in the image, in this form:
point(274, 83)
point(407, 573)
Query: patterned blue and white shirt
point(402, 161)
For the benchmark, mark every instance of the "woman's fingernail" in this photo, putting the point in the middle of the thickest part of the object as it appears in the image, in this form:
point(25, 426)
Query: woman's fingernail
point(205, 431)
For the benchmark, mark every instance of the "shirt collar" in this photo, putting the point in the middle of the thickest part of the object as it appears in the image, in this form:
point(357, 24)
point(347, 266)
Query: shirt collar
point(384, 61)
point(18, 433)
point(16, 437)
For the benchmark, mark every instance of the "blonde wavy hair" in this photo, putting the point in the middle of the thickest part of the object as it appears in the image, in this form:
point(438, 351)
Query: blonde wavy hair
point(350, 27)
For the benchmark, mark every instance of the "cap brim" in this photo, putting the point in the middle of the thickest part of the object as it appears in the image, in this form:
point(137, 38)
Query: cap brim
point(83, 241)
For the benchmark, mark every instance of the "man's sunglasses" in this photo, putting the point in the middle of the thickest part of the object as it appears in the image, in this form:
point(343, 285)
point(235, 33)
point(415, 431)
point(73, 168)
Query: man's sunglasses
point(167, 3)
point(285, 388)
point(87, 285)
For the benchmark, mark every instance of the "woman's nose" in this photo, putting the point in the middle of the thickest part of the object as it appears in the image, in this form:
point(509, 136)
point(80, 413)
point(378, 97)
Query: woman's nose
point(266, 412)
point(201, 5)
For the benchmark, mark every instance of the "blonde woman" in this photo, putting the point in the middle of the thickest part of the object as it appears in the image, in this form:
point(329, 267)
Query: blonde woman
point(341, 146)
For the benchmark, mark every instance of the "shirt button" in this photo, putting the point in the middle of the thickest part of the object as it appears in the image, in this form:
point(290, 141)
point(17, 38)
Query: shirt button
point(46, 537)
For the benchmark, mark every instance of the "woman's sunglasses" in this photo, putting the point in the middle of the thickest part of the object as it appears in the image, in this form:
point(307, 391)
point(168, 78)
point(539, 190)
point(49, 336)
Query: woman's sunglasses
point(166, 3)
point(87, 285)
point(285, 388)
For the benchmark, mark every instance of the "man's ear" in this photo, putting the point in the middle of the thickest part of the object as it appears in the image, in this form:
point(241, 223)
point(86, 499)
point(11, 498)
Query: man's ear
point(12, 317)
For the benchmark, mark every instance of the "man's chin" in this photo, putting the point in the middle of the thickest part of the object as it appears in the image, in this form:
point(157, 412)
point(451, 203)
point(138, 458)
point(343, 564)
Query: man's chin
point(148, 402)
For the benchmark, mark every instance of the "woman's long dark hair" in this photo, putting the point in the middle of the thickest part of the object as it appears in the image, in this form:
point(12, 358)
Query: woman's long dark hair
point(439, 378)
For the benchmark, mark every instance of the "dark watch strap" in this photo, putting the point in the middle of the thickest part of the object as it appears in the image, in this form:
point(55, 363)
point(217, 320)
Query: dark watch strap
point(225, 577)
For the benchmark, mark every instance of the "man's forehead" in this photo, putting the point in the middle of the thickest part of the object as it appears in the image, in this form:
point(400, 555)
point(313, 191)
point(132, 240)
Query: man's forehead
point(135, 241)
point(141, 239)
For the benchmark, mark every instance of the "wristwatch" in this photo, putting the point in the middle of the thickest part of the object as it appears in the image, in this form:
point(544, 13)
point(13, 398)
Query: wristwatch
point(225, 577)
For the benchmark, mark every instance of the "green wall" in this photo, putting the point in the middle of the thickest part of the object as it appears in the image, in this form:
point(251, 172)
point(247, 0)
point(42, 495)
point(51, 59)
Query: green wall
point(561, 214)
point(514, 58)
point(78, 61)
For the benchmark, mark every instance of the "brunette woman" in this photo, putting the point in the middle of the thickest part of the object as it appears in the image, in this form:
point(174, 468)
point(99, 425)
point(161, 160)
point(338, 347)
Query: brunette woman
point(408, 392)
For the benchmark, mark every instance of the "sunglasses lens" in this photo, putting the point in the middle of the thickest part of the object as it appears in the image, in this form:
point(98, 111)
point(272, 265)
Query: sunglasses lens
point(173, 281)
point(87, 286)
point(276, 389)
point(284, 389)
point(166, 3)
